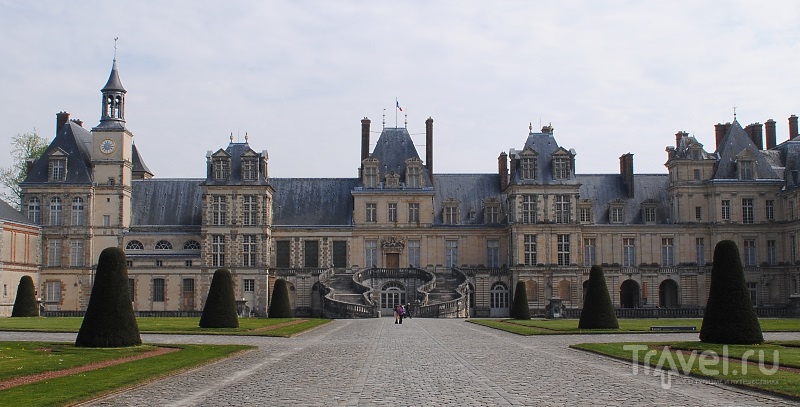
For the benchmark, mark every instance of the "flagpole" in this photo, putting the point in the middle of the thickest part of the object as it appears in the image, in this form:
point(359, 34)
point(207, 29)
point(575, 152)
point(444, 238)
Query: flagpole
point(396, 103)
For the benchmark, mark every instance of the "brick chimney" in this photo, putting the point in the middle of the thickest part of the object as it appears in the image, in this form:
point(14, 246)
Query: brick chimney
point(61, 119)
point(792, 127)
point(364, 144)
point(678, 136)
point(720, 130)
point(79, 122)
point(502, 170)
point(771, 135)
point(429, 146)
point(754, 131)
point(626, 171)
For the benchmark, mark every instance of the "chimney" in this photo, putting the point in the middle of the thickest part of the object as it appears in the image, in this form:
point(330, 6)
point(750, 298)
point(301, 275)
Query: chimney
point(79, 122)
point(364, 144)
point(792, 127)
point(754, 131)
point(429, 146)
point(61, 119)
point(720, 131)
point(678, 136)
point(513, 165)
point(626, 171)
point(502, 170)
point(771, 135)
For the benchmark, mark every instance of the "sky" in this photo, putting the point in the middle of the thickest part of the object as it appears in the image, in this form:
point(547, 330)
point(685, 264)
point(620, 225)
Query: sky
point(297, 77)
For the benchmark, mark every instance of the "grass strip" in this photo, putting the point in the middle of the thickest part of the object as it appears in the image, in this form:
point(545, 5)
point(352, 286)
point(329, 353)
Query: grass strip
point(570, 326)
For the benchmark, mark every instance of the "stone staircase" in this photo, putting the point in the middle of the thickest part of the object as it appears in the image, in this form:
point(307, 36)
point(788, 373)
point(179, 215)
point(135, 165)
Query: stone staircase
point(344, 289)
point(446, 285)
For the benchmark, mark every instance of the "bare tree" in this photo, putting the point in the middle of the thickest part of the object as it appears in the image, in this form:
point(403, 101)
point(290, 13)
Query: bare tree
point(25, 148)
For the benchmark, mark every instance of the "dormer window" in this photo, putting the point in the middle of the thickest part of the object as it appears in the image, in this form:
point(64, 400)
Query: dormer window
point(58, 168)
point(746, 170)
point(585, 211)
point(527, 165)
point(370, 173)
point(649, 212)
point(222, 168)
point(561, 168)
point(414, 173)
point(249, 169)
point(616, 212)
point(450, 215)
point(491, 211)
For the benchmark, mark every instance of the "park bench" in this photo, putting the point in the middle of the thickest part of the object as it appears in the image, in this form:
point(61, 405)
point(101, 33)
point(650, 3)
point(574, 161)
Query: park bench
point(673, 328)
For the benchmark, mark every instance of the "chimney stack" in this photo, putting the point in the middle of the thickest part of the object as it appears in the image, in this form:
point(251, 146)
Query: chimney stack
point(61, 119)
point(364, 144)
point(678, 136)
point(79, 122)
point(792, 127)
point(429, 146)
point(754, 131)
point(626, 171)
point(771, 135)
point(720, 131)
point(502, 170)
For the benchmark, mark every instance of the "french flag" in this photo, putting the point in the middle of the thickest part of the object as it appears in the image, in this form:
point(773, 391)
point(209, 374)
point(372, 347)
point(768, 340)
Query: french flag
point(398, 105)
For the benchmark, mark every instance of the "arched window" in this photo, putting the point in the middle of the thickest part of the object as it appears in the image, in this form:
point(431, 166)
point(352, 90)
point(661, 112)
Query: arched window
point(565, 290)
point(191, 245)
point(134, 245)
point(499, 296)
point(34, 210)
point(55, 211)
point(163, 245)
point(392, 293)
point(77, 211)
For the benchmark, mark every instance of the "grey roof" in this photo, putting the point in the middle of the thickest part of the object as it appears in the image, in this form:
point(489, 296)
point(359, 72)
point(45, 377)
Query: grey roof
point(313, 201)
point(167, 202)
point(606, 188)
point(544, 144)
point(732, 144)
point(8, 213)
point(76, 142)
point(790, 157)
point(471, 191)
point(114, 83)
point(393, 148)
point(236, 150)
point(138, 163)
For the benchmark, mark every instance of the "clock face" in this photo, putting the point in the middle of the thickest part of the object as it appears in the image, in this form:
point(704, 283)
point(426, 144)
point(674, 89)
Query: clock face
point(107, 146)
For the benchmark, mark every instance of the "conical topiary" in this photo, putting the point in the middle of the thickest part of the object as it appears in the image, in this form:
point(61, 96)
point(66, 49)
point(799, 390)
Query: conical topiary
point(598, 311)
point(520, 309)
point(25, 304)
point(220, 308)
point(109, 321)
point(729, 316)
point(280, 307)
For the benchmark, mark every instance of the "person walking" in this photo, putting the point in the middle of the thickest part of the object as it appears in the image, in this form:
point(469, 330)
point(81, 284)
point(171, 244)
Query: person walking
point(396, 315)
point(400, 312)
point(408, 310)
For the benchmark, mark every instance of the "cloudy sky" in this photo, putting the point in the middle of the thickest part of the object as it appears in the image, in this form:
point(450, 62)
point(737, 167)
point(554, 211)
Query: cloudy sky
point(298, 76)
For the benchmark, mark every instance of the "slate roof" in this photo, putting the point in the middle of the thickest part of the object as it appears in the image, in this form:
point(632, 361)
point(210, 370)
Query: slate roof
point(76, 142)
point(114, 83)
point(313, 201)
point(544, 144)
point(393, 148)
point(790, 158)
point(471, 190)
point(138, 163)
point(8, 213)
point(732, 144)
point(167, 202)
point(235, 150)
point(606, 188)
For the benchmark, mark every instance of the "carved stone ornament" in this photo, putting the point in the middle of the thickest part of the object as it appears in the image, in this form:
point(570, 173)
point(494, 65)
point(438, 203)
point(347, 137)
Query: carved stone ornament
point(393, 244)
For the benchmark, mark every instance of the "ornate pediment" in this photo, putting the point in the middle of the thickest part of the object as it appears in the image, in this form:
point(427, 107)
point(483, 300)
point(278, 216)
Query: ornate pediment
point(393, 244)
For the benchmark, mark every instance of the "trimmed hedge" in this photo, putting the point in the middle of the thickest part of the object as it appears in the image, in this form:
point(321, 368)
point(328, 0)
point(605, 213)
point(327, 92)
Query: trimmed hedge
point(729, 317)
point(598, 311)
point(280, 307)
point(109, 321)
point(220, 308)
point(520, 309)
point(25, 303)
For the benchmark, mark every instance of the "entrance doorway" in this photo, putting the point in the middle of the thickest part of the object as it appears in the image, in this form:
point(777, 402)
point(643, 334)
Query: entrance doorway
point(392, 293)
point(393, 260)
point(629, 294)
point(668, 294)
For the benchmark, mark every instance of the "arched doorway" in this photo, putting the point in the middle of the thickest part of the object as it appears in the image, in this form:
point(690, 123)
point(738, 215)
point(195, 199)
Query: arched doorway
point(668, 294)
point(471, 298)
point(392, 293)
point(498, 300)
point(629, 294)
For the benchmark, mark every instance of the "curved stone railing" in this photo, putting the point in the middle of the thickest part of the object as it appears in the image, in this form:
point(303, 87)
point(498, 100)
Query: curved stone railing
point(456, 308)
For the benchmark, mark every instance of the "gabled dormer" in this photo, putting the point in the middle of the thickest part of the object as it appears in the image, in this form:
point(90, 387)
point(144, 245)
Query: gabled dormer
point(57, 159)
point(219, 166)
point(370, 175)
point(562, 165)
point(528, 164)
point(414, 178)
point(746, 166)
point(249, 166)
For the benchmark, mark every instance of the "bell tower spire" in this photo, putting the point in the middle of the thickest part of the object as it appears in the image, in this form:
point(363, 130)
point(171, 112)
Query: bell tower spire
point(113, 114)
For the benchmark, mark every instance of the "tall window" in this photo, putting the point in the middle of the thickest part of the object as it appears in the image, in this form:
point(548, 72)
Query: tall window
point(770, 209)
point(493, 253)
point(413, 177)
point(311, 252)
point(589, 252)
point(219, 210)
point(283, 252)
point(249, 210)
point(563, 250)
point(222, 168)
point(793, 248)
point(59, 169)
point(371, 213)
point(413, 253)
point(249, 169)
point(55, 211)
point(585, 214)
point(747, 210)
point(649, 214)
point(700, 251)
point(370, 177)
point(371, 253)
point(158, 290)
point(53, 292)
point(450, 215)
point(726, 209)
point(339, 253)
point(498, 296)
point(491, 215)
point(563, 209)
point(218, 251)
point(628, 252)
point(77, 211)
point(530, 250)
point(746, 170)
point(76, 253)
point(752, 288)
point(529, 209)
point(750, 252)
point(667, 252)
point(392, 210)
point(413, 212)
point(132, 289)
point(54, 253)
point(791, 210)
point(451, 253)
point(527, 166)
point(698, 213)
point(248, 250)
point(560, 168)
point(35, 210)
point(772, 252)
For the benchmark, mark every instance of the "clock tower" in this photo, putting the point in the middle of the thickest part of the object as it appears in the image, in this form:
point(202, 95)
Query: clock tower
point(112, 163)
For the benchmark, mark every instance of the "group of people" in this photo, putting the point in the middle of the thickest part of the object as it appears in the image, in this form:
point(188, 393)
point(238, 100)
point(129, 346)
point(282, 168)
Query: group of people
point(401, 311)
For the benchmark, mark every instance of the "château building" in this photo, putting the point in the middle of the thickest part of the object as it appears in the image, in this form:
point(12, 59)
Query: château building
point(399, 232)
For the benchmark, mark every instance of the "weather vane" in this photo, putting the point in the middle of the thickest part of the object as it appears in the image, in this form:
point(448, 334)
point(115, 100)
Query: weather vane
point(115, 47)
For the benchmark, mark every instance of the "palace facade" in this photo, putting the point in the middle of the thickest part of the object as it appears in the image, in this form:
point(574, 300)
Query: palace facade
point(399, 232)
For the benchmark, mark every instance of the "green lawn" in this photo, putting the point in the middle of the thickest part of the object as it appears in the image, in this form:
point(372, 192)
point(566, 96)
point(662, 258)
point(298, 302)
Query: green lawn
point(182, 325)
point(764, 370)
point(24, 358)
point(570, 326)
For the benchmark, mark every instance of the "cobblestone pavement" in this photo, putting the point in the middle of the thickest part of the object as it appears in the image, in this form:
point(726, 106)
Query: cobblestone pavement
point(422, 362)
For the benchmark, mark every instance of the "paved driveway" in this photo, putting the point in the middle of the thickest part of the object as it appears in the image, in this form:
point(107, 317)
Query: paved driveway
point(422, 362)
